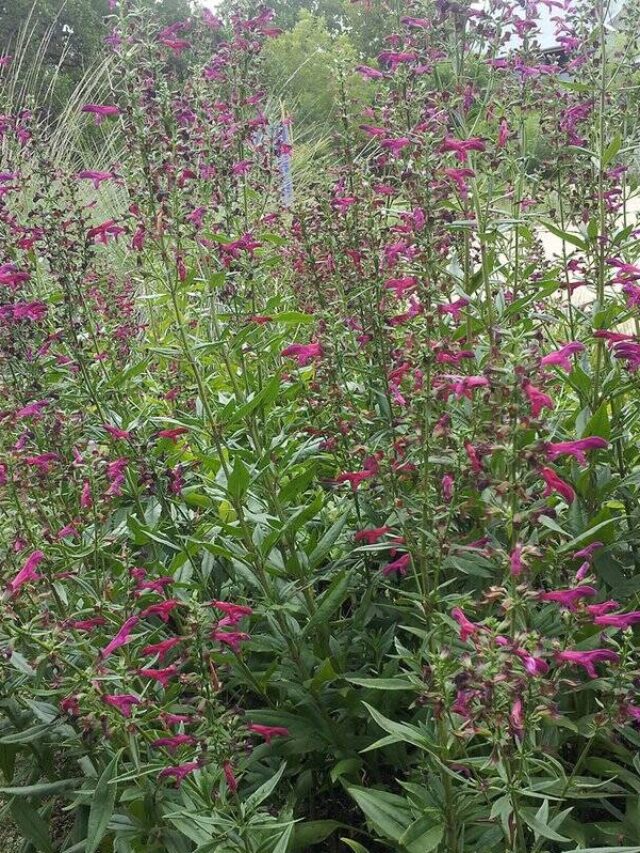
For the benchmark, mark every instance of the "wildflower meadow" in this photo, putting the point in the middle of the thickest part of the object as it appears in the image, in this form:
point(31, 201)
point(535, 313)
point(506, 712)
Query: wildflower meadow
point(320, 460)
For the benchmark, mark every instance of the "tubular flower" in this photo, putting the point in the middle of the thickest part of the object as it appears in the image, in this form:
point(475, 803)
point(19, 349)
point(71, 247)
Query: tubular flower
point(588, 660)
point(562, 357)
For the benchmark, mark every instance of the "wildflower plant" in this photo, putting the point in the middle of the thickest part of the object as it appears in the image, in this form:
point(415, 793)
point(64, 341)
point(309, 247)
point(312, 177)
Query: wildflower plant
point(320, 520)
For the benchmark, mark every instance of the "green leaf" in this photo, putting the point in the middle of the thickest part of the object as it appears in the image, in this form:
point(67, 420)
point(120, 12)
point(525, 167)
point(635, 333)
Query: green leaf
point(422, 836)
point(354, 845)
point(604, 850)
point(328, 541)
point(239, 479)
point(265, 790)
point(611, 150)
point(329, 602)
point(313, 832)
point(31, 825)
point(103, 801)
point(382, 683)
point(42, 789)
point(400, 731)
point(294, 318)
point(283, 843)
point(541, 828)
point(567, 236)
point(388, 813)
point(28, 735)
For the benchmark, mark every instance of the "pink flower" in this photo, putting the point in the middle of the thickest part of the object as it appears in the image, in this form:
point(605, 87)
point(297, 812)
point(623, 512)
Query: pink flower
point(372, 535)
point(553, 484)
point(562, 357)
point(121, 638)
point(116, 432)
point(230, 638)
point(162, 647)
point(95, 176)
point(100, 111)
point(503, 133)
point(538, 399)
point(87, 624)
point(162, 676)
point(395, 145)
point(268, 732)
point(124, 702)
point(179, 771)
point(234, 612)
point(533, 665)
point(516, 719)
point(577, 448)
point(85, 496)
point(462, 147)
point(618, 620)
point(399, 565)
point(467, 627)
point(173, 433)
point(162, 609)
point(603, 607)
point(355, 478)
point(569, 597)
point(515, 561)
point(229, 775)
point(400, 286)
point(454, 308)
point(174, 742)
point(587, 552)
point(27, 573)
point(447, 488)
point(302, 353)
point(588, 660)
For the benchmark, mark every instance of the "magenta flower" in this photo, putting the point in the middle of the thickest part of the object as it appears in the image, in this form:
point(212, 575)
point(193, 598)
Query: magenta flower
point(602, 608)
point(230, 638)
point(447, 487)
point(516, 719)
point(372, 535)
point(124, 702)
point(515, 561)
point(462, 147)
point(562, 357)
point(95, 176)
point(401, 286)
point(467, 627)
point(179, 771)
point(27, 573)
point(553, 484)
point(395, 146)
point(234, 612)
point(399, 565)
point(588, 660)
point(537, 399)
point(355, 478)
point(121, 638)
point(116, 432)
point(100, 111)
point(569, 598)
point(618, 620)
point(174, 742)
point(173, 433)
point(503, 133)
point(302, 353)
point(577, 448)
point(268, 732)
point(163, 609)
point(162, 676)
point(587, 552)
point(534, 665)
point(162, 648)
point(229, 775)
